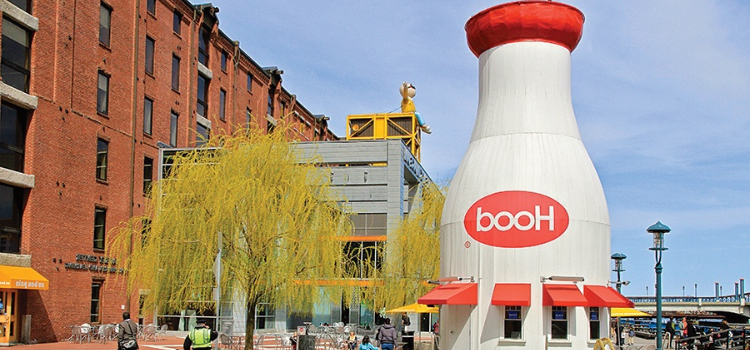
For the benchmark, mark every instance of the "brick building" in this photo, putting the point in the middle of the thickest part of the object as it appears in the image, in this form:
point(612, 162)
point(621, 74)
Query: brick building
point(90, 91)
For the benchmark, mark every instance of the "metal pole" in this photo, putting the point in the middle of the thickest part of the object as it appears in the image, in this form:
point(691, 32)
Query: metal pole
point(619, 329)
point(658, 269)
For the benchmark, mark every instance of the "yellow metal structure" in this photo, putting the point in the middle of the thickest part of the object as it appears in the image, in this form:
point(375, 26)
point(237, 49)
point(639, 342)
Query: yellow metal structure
point(383, 126)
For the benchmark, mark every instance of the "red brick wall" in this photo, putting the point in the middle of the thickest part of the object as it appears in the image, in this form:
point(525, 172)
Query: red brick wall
point(62, 137)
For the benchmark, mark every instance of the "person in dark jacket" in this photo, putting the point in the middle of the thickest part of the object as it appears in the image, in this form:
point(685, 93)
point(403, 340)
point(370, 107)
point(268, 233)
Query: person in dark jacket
point(387, 336)
point(127, 330)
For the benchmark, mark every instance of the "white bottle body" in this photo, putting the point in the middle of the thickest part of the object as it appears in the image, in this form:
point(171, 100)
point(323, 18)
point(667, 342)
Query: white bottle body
point(526, 139)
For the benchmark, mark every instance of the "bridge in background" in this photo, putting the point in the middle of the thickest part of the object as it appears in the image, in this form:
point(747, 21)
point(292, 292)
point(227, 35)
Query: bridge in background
point(735, 308)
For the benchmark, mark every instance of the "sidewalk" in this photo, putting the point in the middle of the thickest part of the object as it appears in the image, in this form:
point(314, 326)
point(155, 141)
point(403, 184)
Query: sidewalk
point(169, 343)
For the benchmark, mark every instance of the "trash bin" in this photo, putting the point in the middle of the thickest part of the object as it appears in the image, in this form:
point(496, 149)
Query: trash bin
point(408, 339)
point(306, 342)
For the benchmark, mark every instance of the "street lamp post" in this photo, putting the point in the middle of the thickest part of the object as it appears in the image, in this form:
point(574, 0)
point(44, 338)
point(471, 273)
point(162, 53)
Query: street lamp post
point(658, 230)
point(618, 258)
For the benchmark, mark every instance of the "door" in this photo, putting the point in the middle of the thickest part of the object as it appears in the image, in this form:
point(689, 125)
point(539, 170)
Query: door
point(8, 316)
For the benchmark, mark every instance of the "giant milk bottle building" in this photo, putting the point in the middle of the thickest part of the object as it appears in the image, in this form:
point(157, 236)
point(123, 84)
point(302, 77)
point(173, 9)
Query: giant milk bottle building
point(525, 233)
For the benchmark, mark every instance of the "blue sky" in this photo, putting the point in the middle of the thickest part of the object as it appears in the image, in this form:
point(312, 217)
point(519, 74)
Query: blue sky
point(660, 91)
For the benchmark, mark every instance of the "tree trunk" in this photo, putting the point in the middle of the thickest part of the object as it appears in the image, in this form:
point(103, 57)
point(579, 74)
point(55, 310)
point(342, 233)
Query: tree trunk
point(249, 323)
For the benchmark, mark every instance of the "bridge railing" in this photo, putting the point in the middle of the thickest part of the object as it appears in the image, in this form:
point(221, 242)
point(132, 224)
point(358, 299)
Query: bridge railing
point(725, 339)
point(668, 299)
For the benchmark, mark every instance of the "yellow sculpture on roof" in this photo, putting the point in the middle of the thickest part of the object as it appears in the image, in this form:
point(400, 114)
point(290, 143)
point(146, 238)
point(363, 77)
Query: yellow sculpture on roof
point(408, 91)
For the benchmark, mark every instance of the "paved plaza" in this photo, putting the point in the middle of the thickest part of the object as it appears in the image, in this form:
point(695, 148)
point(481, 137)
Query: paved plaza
point(173, 342)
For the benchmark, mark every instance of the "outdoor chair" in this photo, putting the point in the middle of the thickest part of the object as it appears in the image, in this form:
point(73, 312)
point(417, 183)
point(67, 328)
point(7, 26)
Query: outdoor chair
point(75, 333)
point(161, 333)
point(85, 333)
point(149, 332)
point(225, 341)
point(98, 333)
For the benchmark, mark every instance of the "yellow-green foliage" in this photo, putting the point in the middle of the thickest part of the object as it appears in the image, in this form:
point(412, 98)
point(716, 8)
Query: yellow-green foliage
point(413, 252)
point(272, 210)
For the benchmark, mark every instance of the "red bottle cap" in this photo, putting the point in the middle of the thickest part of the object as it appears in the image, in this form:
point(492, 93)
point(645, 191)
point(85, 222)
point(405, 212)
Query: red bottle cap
point(544, 21)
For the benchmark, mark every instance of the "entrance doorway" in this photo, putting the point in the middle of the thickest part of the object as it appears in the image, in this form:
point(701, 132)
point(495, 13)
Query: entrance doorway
point(8, 316)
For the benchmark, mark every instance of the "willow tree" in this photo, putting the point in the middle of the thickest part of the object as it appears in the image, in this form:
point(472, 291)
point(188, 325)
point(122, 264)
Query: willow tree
point(412, 254)
point(252, 200)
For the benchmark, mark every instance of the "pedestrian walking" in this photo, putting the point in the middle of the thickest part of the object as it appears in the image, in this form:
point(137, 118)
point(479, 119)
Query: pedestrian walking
point(631, 336)
point(670, 332)
point(126, 333)
point(200, 337)
point(366, 344)
point(386, 336)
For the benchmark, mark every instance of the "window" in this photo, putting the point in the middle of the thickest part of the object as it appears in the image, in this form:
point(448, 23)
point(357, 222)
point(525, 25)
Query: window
point(362, 257)
point(271, 91)
point(594, 323)
point(175, 73)
point(283, 110)
point(177, 23)
point(102, 95)
point(223, 61)
point(249, 82)
point(96, 288)
point(203, 38)
point(173, 130)
point(102, 155)
point(202, 106)
point(149, 55)
point(559, 322)
point(248, 117)
point(105, 23)
point(265, 315)
point(148, 174)
point(22, 4)
point(148, 111)
point(222, 103)
point(513, 322)
point(100, 223)
point(151, 6)
point(11, 210)
point(202, 137)
point(15, 55)
point(12, 137)
point(370, 224)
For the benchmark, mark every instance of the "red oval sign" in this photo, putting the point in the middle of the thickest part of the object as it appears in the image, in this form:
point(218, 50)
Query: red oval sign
point(516, 219)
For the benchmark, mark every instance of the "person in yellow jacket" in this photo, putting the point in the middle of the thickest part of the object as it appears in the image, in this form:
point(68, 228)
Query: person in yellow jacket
point(200, 337)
